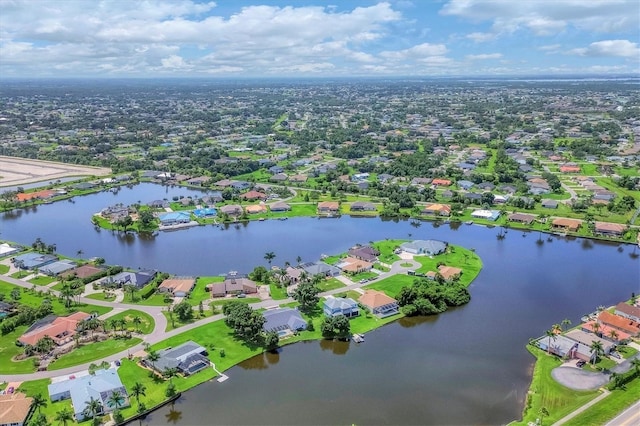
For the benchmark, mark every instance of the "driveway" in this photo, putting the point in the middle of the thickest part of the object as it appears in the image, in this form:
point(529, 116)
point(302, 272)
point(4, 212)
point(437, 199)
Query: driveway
point(578, 379)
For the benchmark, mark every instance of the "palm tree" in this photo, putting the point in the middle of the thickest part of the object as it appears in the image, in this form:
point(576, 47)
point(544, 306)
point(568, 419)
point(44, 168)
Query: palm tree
point(298, 259)
point(613, 335)
point(113, 322)
point(79, 253)
point(170, 372)
point(122, 323)
point(556, 328)
point(566, 323)
point(152, 357)
point(543, 413)
point(552, 336)
point(38, 402)
point(93, 407)
point(269, 256)
point(138, 390)
point(116, 399)
point(596, 327)
point(136, 322)
point(597, 350)
point(64, 416)
point(635, 362)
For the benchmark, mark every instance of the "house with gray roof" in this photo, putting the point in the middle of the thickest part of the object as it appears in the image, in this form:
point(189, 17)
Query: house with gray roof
point(334, 306)
point(428, 247)
point(33, 260)
point(58, 267)
point(320, 268)
point(188, 358)
point(283, 321)
point(138, 279)
point(81, 389)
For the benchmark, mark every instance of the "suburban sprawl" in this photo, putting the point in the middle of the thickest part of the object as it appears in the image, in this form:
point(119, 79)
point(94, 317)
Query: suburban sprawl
point(83, 340)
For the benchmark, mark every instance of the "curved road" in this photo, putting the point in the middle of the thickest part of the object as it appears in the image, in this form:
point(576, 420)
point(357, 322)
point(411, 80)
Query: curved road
point(159, 334)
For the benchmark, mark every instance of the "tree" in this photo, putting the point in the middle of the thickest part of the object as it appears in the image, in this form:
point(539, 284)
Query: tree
point(635, 362)
point(116, 399)
point(131, 289)
point(613, 335)
point(79, 253)
point(64, 416)
point(170, 373)
point(271, 341)
point(138, 390)
point(552, 336)
point(298, 259)
point(136, 322)
point(269, 256)
point(152, 357)
point(184, 311)
point(307, 295)
point(543, 413)
point(93, 407)
point(597, 350)
point(39, 420)
point(245, 322)
point(336, 327)
point(146, 218)
point(38, 402)
point(565, 323)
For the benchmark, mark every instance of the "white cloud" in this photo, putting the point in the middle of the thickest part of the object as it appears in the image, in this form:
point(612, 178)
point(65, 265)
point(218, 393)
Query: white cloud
point(416, 52)
point(484, 56)
point(481, 37)
point(620, 48)
point(550, 48)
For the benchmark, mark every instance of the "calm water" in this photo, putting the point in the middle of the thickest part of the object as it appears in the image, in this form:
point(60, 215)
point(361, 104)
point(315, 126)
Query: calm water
point(467, 366)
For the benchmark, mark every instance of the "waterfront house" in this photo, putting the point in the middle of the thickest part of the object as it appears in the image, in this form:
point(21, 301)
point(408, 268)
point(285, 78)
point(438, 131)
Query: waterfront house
point(283, 321)
point(587, 339)
point(527, 219)
point(6, 250)
point(81, 388)
point(352, 265)
point(174, 218)
point(231, 209)
point(233, 283)
point(280, 207)
point(205, 212)
point(492, 215)
point(55, 268)
point(328, 207)
point(437, 209)
point(256, 209)
point(366, 253)
point(566, 224)
point(620, 323)
point(605, 331)
point(428, 247)
point(320, 268)
point(253, 195)
point(563, 347)
point(549, 204)
point(360, 206)
point(84, 271)
point(178, 287)
point(449, 273)
point(609, 229)
point(33, 260)
point(14, 409)
point(188, 358)
point(628, 311)
point(379, 304)
point(159, 204)
point(60, 329)
point(137, 279)
point(333, 306)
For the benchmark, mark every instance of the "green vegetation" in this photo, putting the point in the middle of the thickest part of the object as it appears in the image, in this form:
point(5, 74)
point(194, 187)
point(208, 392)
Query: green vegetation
point(92, 352)
point(457, 256)
point(42, 280)
point(330, 284)
point(386, 249)
point(278, 292)
point(545, 392)
point(4, 269)
point(105, 296)
point(392, 285)
point(138, 321)
point(609, 407)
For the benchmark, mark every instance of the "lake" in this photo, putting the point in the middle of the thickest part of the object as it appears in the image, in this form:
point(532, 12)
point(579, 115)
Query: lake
point(466, 366)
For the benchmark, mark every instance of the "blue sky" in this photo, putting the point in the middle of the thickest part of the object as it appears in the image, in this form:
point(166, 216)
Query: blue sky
point(307, 38)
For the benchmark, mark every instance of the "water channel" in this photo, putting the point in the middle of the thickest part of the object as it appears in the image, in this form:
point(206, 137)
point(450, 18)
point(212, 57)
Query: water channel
point(467, 366)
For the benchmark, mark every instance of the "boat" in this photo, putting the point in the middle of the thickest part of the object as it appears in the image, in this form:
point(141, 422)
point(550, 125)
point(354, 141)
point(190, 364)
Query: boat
point(283, 218)
point(469, 222)
point(357, 338)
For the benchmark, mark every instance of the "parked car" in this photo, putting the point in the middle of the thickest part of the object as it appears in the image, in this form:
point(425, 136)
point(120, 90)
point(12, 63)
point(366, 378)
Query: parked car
point(10, 390)
point(615, 355)
point(580, 363)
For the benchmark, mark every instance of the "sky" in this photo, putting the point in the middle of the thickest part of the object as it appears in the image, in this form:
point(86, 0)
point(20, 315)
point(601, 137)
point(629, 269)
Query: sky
point(313, 38)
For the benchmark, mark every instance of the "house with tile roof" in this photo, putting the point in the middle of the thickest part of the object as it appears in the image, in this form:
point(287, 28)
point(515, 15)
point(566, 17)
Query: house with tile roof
point(626, 310)
point(178, 287)
point(60, 329)
point(379, 304)
point(14, 409)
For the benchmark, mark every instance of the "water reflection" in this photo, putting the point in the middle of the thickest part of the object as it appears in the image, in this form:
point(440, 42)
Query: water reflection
point(337, 347)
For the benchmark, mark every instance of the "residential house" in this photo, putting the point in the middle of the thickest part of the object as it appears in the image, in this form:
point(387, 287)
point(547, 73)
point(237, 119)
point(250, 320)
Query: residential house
point(492, 215)
point(473, 197)
point(253, 195)
point(60, 329)
point(437, 209)
point(232, 209)
point(234, 283)
point(298, 178)
point(587, 339)
point(609, 229)
point(328, 207)
point(174, 218)
point(441, 182)
point(137, 279)
point(6, 250)
point(334, 306)
point(274, 170)
point(55, 268)
point(362, 206)
point(33, 260)
point(81, 389)
point(366, 253)
point(256, 209)
point(605, 331)
point(628, 311)
point(384, 177)
point(448, 273)
point(205, 212)
point(550, 204)
point(14, 409)
point(38, 195)
point(620, 323)
point(353, 265)
point(563, 347)
point(566, 224)
point(84, 271)
point(428, 247)
point(569, 168)
point(421, 181)
point(465, 184)
point(486, 186)
point(159, 204)
point(320, 268)
point(279, 178)
point(198, 181)
point(379, 304)
point(213, 197)
point(283, 321)
point(188, 358)
point(527, 219)
point(280, 207)
point(178, 287)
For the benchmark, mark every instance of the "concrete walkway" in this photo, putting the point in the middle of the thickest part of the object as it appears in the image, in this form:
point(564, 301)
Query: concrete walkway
point(605, 393)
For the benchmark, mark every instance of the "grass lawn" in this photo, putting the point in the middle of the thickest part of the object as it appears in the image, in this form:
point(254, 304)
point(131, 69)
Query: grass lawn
point(108, 297)
point(4, 269)
point(391, 286)
point(330, 284)
point(386, 249)
point(9, 349)
point(455, 256)
point(627, 351)
point(177, 323)
point(277, 292)
point(42, 280)
point(362, 276)
point(92, 352)
point(608, 408)
point(35, 387)
point(546, 392)
point(156, 299)
point(603, 363)
point(20, 274)
point(349, 293)
point(222, 302)
point(379, 267)
point(200, 293)
point(145, 327)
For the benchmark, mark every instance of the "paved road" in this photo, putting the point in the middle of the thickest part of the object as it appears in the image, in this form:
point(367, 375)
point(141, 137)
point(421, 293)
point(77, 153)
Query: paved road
point(629, 417)
point(571, 415)
point(578, 379)
point(159, 334)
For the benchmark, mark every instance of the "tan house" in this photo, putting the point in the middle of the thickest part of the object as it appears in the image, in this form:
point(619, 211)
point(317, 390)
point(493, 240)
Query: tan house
point(352, 265)
point(178, 287)
point(233, 284)
point(437, 209)
point(327, 207)
point(567, 224)
point(611, 229)
point(522, 218)
point(14, 409)
point(256, 209)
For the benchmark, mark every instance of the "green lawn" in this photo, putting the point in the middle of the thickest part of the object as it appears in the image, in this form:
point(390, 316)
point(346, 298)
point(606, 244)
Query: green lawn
point(386, 248)
point(222, 302)
point(35, 387)
point(92, 352)
point(546, 392)
point(362, 276)
point(455, 256)
point(392, 285)
point(157, 299)
point(108, 297)
point(199, 293)
point(277, 292)
point(42, 280)
point(9, 349)
point(627, 351)
point(145, 327)
point(177, 323)
point(609, 407)
point(330, 284)
point(4, 269)
point(20, 274)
